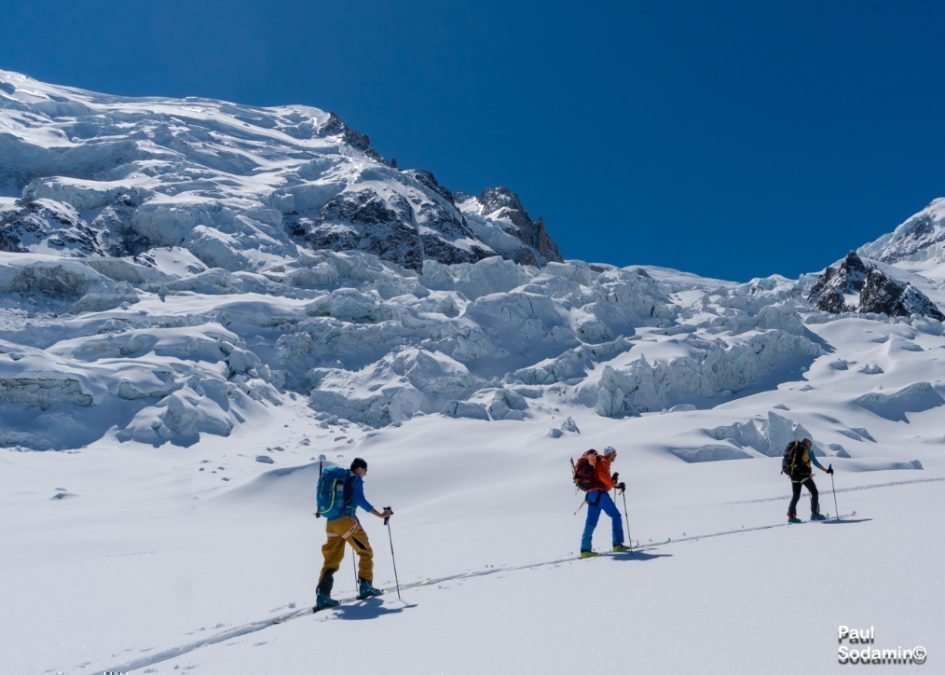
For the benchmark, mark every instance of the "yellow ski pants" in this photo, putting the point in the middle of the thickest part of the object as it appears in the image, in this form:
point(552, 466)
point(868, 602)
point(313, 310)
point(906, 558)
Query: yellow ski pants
point(341, 530)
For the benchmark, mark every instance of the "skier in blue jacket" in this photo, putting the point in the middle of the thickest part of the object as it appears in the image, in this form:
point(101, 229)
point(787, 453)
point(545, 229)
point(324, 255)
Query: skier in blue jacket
point(347, 528)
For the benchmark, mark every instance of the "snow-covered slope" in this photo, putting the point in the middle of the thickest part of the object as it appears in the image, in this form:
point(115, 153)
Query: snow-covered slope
point(238, 187)
point(198, 300)
point(124, 559)
point(920, 238)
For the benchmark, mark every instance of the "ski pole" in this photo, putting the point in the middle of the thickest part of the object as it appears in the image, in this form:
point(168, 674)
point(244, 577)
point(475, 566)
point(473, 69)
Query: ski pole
point(833, 487)
point(393, 559)
point(626, 518)
point(357, 579)
point(321, 463)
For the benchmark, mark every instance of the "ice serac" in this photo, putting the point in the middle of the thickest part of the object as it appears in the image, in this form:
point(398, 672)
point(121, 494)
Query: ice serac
point(855, 286)
point(238, 187)
point(176, 268)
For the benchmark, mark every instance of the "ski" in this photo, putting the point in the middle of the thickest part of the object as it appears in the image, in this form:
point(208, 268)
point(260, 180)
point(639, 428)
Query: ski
point(351, 599)
point(292, 615)
point(601, 554)
point(696, 537)
point(307, 611)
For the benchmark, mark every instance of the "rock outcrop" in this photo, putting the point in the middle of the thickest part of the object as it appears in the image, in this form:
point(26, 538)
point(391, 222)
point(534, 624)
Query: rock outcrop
point(855, 286)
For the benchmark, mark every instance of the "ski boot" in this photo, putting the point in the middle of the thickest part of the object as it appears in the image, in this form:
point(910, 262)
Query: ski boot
point(589, 554)
point(324, 601)
point(366, 590)
point(817, 516)
point(793, 519)
point(620, 548)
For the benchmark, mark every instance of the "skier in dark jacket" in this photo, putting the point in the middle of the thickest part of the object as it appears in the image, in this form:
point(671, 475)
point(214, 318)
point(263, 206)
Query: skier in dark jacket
point(347, 528)
point(798, 458)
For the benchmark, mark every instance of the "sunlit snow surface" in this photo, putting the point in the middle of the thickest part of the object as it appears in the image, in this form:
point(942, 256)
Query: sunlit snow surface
point(162, 424)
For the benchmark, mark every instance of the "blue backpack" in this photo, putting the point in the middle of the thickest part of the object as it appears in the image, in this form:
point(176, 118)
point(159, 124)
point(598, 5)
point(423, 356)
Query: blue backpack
point(330, 492)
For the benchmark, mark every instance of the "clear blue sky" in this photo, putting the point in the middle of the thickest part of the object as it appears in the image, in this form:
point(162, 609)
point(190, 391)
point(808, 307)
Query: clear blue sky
point(730, 139)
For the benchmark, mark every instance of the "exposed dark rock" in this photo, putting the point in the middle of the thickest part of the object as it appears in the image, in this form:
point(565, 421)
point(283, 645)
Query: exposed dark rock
point(335, 126)
point(855, 286)
point(428, 180)
point(834, 288)
point(43, 222)
point(388, 226)
point(502, 203)
point(367, 222)
point(119, 239)
point(495, 198)
point(883, 295)
point(436, 249)
point(365, 207)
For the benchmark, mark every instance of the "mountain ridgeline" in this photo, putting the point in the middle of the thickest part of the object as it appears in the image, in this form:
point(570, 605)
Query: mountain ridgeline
point(172, 268)
point(235, 186)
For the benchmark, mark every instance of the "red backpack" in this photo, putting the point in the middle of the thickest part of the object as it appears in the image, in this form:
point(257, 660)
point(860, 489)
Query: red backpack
point(583, 473)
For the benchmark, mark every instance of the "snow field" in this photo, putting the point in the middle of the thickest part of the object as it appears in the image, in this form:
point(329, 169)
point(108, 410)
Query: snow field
point(152, 557)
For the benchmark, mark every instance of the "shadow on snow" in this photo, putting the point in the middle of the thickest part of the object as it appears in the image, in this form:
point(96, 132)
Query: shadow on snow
point(367, 609)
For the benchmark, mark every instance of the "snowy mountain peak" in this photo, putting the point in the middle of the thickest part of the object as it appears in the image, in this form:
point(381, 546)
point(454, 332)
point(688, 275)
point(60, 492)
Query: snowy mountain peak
point(920, 238)
point(236, 186)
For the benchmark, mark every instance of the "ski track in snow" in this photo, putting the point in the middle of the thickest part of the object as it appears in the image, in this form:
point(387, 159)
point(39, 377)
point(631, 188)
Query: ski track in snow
point(636, 553)
point(859, 488)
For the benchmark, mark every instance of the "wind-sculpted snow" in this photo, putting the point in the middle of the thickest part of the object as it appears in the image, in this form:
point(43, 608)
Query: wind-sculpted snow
point(915, 398)
point(709, 453)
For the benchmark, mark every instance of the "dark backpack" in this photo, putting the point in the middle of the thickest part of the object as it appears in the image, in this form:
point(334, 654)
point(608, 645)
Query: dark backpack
point(583, 473)
point(791, 463)
point(330, 496)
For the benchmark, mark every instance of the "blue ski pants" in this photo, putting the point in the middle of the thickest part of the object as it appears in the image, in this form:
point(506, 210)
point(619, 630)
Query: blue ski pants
point(597, 501)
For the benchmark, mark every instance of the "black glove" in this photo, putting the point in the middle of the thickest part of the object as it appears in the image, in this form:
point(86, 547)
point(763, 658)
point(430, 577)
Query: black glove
point(615, 477)
point(621, 487)
point(830, 469)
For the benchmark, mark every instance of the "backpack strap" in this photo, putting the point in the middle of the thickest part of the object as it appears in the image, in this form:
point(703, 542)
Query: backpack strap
point(318, 509)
